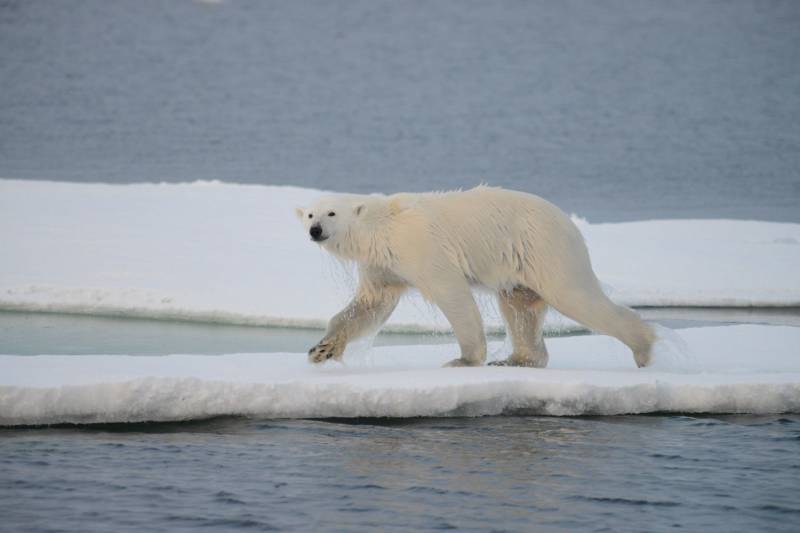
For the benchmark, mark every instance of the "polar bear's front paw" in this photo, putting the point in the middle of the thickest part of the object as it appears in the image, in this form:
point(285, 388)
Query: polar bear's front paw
point(326, 349)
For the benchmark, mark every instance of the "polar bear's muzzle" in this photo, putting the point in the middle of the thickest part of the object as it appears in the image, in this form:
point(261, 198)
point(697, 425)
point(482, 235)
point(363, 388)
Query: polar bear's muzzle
point(316, 233)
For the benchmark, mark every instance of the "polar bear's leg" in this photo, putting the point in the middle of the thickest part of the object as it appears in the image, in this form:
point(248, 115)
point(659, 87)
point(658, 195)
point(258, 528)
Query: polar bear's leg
point(588, 305)
point(453, 296)
point(366, 313)
point(524, 312)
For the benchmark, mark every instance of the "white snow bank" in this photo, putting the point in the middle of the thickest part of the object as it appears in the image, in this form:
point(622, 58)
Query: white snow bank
point(234, 253)
point(734, 369)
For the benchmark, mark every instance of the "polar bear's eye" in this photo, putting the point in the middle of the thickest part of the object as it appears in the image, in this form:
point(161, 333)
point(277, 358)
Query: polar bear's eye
point(331, 214)
point(310, 215)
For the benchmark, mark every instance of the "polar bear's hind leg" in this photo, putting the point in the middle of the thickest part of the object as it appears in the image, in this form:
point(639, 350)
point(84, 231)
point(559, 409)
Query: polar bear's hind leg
point(524, 311)
point(592, 308)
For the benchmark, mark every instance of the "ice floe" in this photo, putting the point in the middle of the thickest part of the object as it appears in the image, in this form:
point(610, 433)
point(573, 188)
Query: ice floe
point(730, 369)
point(235, 253)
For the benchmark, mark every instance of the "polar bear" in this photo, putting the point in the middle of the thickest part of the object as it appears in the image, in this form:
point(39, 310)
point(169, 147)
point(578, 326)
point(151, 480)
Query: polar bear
point(516, 244)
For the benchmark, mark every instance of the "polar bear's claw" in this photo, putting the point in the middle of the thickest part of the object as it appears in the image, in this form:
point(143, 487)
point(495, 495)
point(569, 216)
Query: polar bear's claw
point(326, 349)
point(460, 362)
point(526, 362)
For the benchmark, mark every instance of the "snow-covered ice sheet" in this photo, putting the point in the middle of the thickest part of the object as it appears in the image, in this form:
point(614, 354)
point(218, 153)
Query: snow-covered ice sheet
point(235, 253)
point(732, 369)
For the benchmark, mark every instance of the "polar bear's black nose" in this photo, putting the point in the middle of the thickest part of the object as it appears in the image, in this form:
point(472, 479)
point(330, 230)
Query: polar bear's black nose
point(315, 231)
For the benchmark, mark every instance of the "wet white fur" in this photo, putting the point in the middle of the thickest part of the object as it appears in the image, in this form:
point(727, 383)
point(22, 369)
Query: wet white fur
point(517, 244)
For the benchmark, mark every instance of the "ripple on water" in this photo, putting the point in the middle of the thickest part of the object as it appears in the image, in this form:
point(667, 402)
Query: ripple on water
point(772, 508)
point(228, 498)
point(628, 501)
point(669, 457)
point(243, 523)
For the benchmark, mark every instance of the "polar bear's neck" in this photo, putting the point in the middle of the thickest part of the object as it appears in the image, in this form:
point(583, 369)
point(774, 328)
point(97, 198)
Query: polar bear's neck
point(366, 248)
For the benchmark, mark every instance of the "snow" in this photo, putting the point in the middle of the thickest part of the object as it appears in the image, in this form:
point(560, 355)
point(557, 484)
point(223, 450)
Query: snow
point(235, 253)
point(730, 369)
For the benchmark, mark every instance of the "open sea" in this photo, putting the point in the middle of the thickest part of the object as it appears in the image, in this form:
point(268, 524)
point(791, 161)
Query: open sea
point(616, 111)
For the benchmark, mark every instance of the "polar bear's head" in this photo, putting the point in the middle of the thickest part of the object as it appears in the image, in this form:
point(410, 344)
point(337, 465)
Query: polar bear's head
point(326, 218)
point(333, 221)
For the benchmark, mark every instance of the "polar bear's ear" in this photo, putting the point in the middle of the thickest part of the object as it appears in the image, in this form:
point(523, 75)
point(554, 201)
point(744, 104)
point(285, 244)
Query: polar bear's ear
point(299, 212)
point(359, 209)
point(396, 206)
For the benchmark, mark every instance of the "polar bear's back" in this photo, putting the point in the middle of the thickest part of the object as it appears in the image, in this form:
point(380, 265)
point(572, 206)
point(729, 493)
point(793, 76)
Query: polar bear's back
point(501, 238)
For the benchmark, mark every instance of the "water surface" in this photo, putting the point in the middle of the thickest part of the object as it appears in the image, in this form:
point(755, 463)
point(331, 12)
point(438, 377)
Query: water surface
point(638, 473)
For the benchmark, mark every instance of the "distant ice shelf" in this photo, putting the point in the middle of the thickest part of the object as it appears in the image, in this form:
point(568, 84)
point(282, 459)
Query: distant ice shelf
point(731, 369)
point(217, 252)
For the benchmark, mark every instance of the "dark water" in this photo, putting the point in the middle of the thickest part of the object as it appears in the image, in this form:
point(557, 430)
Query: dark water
point(615, 110)
point(649, 473)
